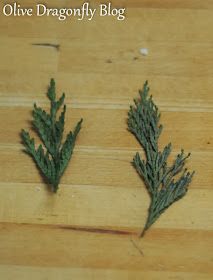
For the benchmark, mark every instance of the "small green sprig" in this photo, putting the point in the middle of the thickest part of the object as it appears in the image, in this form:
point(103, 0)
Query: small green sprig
point(158, 176)
point(53, 156)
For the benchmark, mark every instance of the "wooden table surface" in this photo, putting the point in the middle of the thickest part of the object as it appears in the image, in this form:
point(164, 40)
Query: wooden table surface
point(89, 230)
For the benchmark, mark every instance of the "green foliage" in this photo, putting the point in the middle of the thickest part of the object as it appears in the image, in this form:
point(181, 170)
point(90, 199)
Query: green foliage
point(160, 178)
point(53, 156)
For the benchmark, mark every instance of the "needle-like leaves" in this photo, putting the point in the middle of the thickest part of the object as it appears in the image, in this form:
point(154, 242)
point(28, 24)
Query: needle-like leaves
point(52, 157)
point(159, 177)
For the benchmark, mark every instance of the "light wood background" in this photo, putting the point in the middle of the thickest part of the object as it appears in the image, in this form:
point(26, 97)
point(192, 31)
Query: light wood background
point(89, 230)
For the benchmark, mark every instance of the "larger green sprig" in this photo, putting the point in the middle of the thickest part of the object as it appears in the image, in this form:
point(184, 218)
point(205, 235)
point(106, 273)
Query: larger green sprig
point(53, 156)
point(158, 176)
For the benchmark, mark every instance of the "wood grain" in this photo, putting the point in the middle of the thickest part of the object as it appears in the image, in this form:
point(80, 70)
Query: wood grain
point(89, 230)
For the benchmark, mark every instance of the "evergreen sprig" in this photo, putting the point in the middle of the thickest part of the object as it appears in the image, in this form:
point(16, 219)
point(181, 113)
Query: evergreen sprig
point(53, 156)
point(159, 177)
